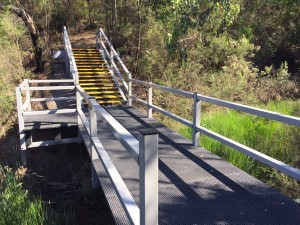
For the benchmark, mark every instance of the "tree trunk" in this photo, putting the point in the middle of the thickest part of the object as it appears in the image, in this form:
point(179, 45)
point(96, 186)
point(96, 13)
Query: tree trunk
point(38, 53)
point(139, 31)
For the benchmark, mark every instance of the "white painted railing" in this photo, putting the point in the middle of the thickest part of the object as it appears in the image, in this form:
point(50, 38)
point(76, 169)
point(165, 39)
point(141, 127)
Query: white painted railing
point(197, 129)
point(24, 108)
point(111, 54)
point(69, 57)
point(144, 151)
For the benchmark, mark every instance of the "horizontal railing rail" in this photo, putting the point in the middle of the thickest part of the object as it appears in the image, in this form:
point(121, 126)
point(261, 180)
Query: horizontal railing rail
point(197, 129)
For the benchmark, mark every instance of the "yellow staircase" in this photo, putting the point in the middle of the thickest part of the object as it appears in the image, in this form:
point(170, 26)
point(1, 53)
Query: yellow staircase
point(95, 78)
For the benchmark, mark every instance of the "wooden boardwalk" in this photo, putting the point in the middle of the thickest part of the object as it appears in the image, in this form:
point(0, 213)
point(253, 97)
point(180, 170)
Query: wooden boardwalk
point(195, 186)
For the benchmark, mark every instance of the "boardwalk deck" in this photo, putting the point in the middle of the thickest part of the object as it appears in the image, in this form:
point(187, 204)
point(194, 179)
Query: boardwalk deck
point(49, 121)
point(195, 186)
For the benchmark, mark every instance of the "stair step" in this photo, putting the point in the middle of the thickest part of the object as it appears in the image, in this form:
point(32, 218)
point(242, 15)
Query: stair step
point(98, 84)
point(97, 80)
point(89, 63)
point(102, 92)
point(92, 70)
point(94, 73)
point(108, 97)
point(100, 88)
point(82, 76)
point(87, 57)
point(109, 102)
point(88, 60)
point(91, 66)
point(85, 49)
point(93, 54)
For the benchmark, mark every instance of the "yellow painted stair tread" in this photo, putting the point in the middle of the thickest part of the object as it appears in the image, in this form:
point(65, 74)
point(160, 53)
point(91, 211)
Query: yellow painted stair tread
point(110, 102)
point(97, 80)
point(100, 84)
point(103, 76)
point(89, 63)
point(93, 73)
point(103, 92)
point(92, 70)
point(108, 97)
point(100, 88)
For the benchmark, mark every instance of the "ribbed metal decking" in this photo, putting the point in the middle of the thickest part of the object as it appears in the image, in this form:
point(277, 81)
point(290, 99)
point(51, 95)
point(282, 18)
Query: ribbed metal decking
point(195, 186)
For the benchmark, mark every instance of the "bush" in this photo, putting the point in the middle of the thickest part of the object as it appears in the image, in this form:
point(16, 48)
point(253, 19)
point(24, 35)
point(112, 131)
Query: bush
point(17, 206)
point(12, 35)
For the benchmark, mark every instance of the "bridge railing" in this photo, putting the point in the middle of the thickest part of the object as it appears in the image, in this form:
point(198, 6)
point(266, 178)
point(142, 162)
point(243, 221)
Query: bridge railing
point(24, 108)
point(102, 42)
point(69, 57)
point(144, 151)
point(197, 128)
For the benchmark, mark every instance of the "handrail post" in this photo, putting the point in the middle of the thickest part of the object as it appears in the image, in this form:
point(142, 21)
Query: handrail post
point(196, 120)
point(100, 34)
point(97, 41)
point(78, 104)
point(28, 95)
point(129, 90)
point(148, 173)
point(111, 57)
point(21, 126)
point(150, 93)
point(93, 133)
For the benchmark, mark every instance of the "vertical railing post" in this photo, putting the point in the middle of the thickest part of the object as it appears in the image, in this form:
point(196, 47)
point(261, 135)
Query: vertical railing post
point(129, 89)
point(93, 133)
point(97, 41)
point(111, 52)
point(100, 34)
point(150, 93)
point(148, 173)
point(196, 120)
point(78, 104)
point(27, 93)
point(21, 126)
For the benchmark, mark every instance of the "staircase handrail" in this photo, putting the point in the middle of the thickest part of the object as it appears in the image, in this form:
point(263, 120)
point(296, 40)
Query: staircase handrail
point(69, 57)
point(197, 129)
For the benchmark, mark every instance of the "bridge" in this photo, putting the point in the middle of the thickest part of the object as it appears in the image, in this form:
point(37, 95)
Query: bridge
point(149, 173)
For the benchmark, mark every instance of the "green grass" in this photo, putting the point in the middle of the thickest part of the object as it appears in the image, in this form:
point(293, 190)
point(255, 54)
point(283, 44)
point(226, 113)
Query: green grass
point(17, 206)
point(272, 138)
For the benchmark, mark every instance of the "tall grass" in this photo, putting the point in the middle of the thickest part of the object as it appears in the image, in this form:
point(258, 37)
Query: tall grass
point(272, 138)
point(17, 206)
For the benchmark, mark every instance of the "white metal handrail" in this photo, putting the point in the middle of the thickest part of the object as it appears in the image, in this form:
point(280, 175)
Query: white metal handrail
point(69, 57)
point(148, 161)
point(24, 109)
point(195, 124)
point(111, 56)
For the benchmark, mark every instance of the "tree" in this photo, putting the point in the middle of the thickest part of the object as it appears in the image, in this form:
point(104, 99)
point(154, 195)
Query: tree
point(30, 25)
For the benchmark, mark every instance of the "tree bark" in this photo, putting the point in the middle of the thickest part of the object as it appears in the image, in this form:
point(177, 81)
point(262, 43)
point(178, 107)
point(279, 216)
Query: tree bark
point(29, 23)
point(139, 31)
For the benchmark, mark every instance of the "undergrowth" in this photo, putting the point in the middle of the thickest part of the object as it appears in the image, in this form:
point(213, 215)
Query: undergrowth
point(18, 207)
